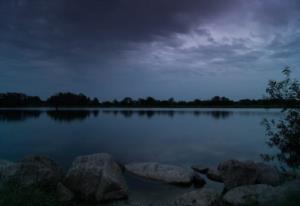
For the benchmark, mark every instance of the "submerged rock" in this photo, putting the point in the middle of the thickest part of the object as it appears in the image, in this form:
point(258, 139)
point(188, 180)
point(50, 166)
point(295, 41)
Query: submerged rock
point(32, 170)
point(160, 172)
point(96, 177)
point(200, 168)
point(203, 197)
point(236, 173)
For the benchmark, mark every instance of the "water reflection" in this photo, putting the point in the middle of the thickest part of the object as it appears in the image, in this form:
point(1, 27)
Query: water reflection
point(71, 115)
point(18, 115)
point(218, 114)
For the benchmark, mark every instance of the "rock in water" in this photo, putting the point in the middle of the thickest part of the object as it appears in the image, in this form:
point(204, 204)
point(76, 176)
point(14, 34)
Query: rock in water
point(236, 173)
point(252, 195)
point(160, 172)
point(200, 168)
point(214, 175)
point(203, 197)
point(199, 182)
point(32, 170)
point(96, 177)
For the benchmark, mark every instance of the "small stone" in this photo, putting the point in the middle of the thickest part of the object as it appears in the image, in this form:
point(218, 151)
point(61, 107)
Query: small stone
point(199, 181)
point(214, 175)
point(64, 194)
point(200, 168)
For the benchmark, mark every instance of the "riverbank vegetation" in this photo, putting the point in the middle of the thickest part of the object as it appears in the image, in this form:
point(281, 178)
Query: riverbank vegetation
point(80, 100)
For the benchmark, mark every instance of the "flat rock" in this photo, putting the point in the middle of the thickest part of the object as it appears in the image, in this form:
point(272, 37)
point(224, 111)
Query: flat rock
point(200, 168)
point(96, 177)
point(202, 197)
point(214, 175)
point(161, 172)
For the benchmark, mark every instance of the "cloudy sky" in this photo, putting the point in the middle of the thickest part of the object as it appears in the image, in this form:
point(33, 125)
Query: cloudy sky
point(163, 48)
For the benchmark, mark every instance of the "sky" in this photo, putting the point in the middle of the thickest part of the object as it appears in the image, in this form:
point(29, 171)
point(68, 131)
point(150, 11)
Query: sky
point(184, 49)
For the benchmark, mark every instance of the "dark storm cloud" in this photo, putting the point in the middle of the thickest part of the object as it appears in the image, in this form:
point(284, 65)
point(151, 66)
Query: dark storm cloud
point(81, 43)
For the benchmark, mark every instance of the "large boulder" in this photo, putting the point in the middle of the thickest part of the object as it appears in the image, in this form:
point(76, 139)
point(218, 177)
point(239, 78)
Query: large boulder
point(32, 170)
point(96, 177)
point(236, 173)
point(252, 195)
point(160, 172)
point(203, 197)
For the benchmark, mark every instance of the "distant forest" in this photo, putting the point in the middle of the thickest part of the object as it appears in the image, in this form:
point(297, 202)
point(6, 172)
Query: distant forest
point(80, 100)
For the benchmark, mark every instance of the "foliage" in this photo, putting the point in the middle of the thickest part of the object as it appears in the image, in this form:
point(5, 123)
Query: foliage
point(285, 133)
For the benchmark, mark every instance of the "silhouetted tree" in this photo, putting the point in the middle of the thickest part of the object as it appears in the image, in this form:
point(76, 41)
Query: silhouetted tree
point(19, 100)
point(285, 133)
point(70, 100)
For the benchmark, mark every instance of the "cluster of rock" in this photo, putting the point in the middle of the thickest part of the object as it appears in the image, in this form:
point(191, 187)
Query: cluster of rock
point(99, 178)
point(94, 177)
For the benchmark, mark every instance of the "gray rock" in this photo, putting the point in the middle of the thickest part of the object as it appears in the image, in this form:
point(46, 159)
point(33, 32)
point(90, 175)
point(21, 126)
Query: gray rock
point(160, 172)
point(96, 177)
point(236, 173)
point(63, 193)
point(199, 181)
point(203, 197)
point(268, 175)
point(252, 195)
point(32, 170)
point(200, 168)
point(214, 175)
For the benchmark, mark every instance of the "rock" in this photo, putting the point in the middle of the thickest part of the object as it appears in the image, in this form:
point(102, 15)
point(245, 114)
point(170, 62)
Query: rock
point(268, 175)
point(63, 193)
point(203, 197)
point(160, 172)
point(214, 175)
point(236, 173)
point(199, 182)
point(252, 195)
point(5, 163)
point(32, 170)
point(96, 177)
point(200, 168)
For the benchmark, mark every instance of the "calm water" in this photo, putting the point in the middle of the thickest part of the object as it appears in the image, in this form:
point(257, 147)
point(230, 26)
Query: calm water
point(175, 136)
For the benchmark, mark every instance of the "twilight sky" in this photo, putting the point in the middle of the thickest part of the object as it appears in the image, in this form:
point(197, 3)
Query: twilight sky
point(163, 48)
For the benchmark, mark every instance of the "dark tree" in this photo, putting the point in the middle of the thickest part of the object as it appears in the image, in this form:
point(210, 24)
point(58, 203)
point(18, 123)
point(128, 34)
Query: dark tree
point(70, 100)
point(285, 133)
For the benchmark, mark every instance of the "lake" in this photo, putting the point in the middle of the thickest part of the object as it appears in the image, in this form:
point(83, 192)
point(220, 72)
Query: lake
point(174, 136)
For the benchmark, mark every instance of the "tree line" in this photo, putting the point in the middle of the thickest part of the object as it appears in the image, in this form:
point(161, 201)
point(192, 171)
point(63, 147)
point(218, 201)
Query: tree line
point(69, 99)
